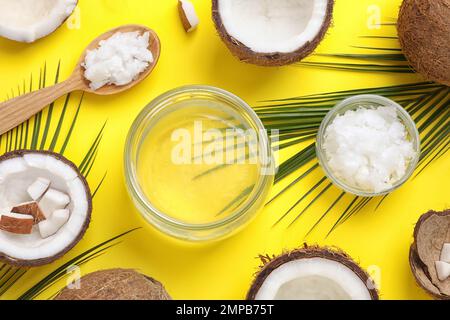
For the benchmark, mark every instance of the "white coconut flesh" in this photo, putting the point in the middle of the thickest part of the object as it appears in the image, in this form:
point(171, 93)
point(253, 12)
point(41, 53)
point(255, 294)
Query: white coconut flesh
point(313, 279)
point(16, 175)
point(267, 26)
point(29, 20)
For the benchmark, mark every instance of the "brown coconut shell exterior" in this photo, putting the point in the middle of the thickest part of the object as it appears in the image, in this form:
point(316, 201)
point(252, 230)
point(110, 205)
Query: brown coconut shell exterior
point(424, 271)
point(184, 20)
point(273, 59)
point(272, 263)
point(116, 284)
point(40, 262)
point(17, 226)
point(424, 34)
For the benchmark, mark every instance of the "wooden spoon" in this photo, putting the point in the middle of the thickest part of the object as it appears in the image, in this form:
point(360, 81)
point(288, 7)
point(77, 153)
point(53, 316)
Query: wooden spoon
point(15, 111)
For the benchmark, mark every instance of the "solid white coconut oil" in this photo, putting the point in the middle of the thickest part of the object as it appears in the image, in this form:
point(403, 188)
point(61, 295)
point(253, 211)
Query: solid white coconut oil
point(118, 60)
point(368, 148)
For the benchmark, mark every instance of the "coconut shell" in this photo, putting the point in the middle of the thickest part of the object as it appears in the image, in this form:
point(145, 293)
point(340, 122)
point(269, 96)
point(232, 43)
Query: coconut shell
point(39, 262)
point(422, 278)
point(270, 264)
point(430, 233)
point(245, 54)
point(424, 34)
point(51, 32)
point(116, 284)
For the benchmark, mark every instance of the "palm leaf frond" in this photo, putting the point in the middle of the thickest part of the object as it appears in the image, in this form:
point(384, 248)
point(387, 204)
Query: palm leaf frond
point(376, 59)
point(361, 67)
point(79, 260)
point(49, 113)
point(9, 276)
point(426, 102)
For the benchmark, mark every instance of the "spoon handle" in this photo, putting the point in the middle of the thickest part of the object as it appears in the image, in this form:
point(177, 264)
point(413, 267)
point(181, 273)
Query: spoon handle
point(15, 111)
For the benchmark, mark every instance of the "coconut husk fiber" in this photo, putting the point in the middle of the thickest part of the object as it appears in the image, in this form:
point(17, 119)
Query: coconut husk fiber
point(116, 284)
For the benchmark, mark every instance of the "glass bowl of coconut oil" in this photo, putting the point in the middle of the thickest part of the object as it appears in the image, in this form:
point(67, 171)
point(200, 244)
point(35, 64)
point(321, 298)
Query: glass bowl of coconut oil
point(368, 145)
point(198, 163)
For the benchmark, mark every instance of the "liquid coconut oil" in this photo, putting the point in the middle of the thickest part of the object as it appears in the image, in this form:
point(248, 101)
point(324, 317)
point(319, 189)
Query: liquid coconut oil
point(199, 161)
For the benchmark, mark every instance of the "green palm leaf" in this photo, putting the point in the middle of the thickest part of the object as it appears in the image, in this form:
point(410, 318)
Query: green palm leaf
point(79, 260)
point(9, 276)
point(361, 67)
point(34, 134)
point(426, 102)
point(387, 59)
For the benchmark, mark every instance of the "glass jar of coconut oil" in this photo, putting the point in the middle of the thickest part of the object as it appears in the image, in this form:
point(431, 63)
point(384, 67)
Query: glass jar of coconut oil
point(198, 163)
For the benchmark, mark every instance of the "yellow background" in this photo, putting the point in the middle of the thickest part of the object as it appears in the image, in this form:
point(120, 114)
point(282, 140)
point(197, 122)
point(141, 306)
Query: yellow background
point(379, 240)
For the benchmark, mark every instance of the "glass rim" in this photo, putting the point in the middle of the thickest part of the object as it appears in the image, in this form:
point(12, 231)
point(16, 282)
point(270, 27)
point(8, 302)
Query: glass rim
point(404, 117)
point(133, 136)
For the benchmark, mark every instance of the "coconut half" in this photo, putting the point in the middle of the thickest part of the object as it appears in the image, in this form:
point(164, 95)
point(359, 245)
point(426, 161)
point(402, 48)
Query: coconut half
point(424, 34)
point(432, 231)
point(115, 284)
point(312, 273)
point(272, 32)
point(69, 191)
point(29, 20)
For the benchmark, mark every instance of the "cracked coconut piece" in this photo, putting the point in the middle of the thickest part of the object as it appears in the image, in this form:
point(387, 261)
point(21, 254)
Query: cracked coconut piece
point(28, 20)
point(38, 188)
point(272, 32)
point(431, 233)
point(16, 223)
point(312, 273)
point(30, 208)
point(68, 189)
point(188, 16)
point(53, 200)
point(51, 226)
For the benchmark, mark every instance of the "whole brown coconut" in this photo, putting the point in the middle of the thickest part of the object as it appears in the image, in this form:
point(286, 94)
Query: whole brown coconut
point(273, 58)
point(430, 233)
point(270, 264)
point(424, 34)
point(116, 284)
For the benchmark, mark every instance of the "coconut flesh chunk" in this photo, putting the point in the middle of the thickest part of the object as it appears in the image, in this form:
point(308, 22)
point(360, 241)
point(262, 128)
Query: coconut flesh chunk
point(53, 200)
point(18, 171)
point(29, 20)
point(30, 209)
point(313, 279)
point(442, 270)
point(51, 225)
point(38, 188)
point(268, 26)
point(445, 253)
point(188, 15)
point(16, 223)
